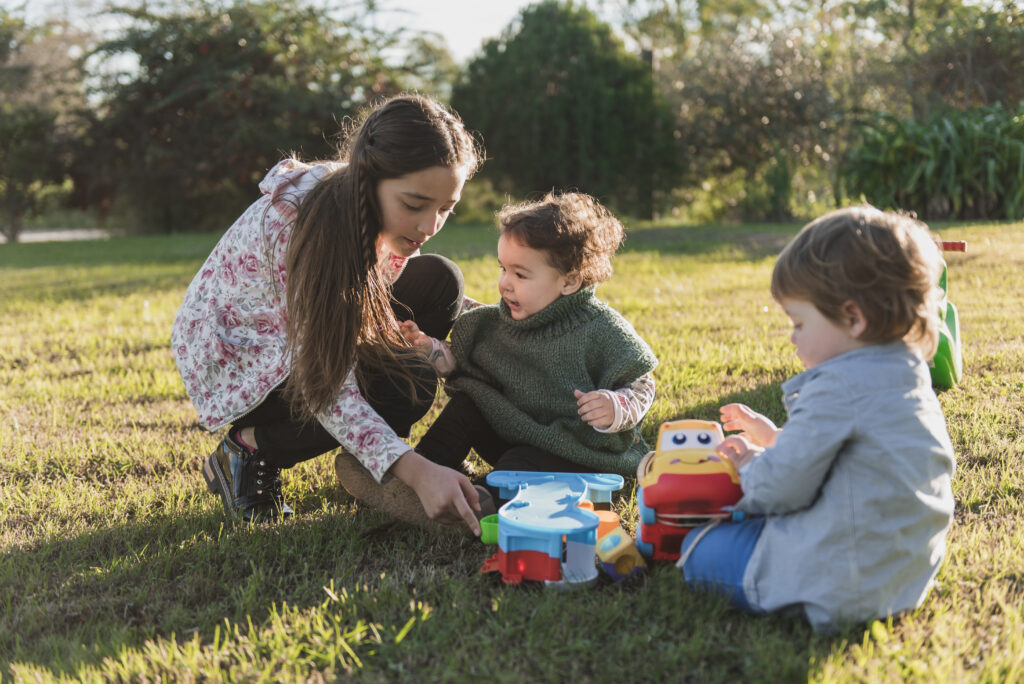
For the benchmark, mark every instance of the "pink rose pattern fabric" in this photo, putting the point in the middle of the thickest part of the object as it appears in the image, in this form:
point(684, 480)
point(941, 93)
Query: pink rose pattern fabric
point(228, 337)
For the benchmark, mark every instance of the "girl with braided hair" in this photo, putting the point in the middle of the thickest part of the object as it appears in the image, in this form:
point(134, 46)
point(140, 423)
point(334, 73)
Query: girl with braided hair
point(289, 334)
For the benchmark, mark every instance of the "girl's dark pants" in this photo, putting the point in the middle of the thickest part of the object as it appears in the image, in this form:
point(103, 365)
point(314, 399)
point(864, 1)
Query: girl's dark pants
point(461, 427)
point(429, 292)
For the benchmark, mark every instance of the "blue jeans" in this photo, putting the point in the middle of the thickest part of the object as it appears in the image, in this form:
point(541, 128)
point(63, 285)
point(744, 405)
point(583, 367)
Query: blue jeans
point(720, 558)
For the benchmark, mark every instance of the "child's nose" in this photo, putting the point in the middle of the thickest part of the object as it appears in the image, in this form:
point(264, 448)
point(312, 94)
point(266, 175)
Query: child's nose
point(432, 225)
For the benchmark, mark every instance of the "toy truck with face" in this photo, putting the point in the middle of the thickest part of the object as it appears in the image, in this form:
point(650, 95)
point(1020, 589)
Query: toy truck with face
point(683, 483)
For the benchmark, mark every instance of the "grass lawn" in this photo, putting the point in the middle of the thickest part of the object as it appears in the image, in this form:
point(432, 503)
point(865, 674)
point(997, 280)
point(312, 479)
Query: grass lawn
point(116, 563)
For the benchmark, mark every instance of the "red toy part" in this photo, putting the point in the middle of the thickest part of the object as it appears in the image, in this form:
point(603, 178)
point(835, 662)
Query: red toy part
point(661, 539)
point(515, 566)
point(680, 503)
point(692, 495)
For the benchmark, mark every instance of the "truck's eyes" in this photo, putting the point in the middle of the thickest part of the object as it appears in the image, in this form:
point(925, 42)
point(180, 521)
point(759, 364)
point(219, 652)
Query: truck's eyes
point(679, 439)
point(704, 438)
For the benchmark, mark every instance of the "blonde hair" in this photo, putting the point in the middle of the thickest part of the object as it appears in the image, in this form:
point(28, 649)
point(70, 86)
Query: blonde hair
point(339, 309)
point(887, 263)
point(575, 231)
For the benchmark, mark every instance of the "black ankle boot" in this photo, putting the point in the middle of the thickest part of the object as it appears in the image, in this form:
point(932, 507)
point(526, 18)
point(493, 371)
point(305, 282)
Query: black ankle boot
point(249, 488)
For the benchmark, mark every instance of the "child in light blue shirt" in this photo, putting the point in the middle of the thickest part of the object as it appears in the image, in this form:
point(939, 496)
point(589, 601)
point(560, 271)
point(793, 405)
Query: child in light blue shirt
point(850, 501)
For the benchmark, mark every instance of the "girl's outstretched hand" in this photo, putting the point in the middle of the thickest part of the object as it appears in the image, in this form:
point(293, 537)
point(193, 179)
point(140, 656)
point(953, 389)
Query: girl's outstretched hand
point(447, 495)
point(755, 428)
point(595, 408)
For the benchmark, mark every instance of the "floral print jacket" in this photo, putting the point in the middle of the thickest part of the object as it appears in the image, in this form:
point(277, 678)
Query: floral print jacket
point(228, 337)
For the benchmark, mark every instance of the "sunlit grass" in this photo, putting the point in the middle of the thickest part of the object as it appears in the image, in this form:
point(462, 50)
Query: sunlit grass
point(116, 563)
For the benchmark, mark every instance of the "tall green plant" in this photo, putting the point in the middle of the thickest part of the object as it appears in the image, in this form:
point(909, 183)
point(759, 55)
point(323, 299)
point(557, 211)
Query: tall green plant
point(964, 164)
point(561, 104)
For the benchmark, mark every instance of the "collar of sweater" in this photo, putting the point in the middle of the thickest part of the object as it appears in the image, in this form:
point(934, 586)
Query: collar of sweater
point(564, 314)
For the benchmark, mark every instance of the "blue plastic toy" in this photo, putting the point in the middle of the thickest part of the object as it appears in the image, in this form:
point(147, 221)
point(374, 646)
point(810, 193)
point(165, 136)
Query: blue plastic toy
point(543, 533)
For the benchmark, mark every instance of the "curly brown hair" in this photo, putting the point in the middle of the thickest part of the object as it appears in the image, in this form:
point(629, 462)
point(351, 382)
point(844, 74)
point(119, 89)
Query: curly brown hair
point(887, 263)
point(575, 231)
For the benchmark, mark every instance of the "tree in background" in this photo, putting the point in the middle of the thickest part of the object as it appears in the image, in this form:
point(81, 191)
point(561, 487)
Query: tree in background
point(38, 89)
point(766, 125)
point(936, 53)
point(222, 91)
point(562, 105)
point(753, 109)
point(771, 96)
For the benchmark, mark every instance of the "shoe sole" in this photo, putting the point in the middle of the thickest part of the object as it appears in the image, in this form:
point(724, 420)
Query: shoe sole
point(218, 484)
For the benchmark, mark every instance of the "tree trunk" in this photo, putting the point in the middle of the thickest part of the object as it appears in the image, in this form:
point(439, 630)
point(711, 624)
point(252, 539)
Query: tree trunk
point(12, 229)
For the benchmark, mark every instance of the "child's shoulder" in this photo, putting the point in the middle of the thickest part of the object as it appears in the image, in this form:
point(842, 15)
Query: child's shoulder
point(895, 360)
point(868, 371)
point(612, 334)
point(610, 319)
point(472, 319)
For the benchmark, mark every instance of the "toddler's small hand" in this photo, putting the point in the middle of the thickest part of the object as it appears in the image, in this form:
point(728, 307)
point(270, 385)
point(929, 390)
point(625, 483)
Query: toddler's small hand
point(758, 429)
point(737, 450)
point(414, 336)
point(595, 408)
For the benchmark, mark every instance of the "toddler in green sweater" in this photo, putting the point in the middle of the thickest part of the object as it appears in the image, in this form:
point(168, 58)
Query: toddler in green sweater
point(550, 378)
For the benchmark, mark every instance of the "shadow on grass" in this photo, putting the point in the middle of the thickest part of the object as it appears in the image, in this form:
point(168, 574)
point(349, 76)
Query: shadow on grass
point(751, 242)
point(129, 250)
point(71, 601)
point(765, 399)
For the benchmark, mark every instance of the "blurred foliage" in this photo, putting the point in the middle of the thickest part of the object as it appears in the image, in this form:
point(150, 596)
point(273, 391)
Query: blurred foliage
point(39, 87)
point(723, 110)
point(767, 123)
point(955, 164)
point(562, 105)
point(28, 164)
point(939, 52)
point(779, 90)
point(220, 93)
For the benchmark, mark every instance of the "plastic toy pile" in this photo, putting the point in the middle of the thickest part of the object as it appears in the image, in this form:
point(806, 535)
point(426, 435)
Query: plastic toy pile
point(554, 524)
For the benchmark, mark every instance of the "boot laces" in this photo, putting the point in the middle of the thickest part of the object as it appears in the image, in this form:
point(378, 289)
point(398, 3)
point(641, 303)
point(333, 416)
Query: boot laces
point(268, 478)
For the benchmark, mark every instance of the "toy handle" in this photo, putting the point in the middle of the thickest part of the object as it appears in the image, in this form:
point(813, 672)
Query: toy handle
point(953, 246)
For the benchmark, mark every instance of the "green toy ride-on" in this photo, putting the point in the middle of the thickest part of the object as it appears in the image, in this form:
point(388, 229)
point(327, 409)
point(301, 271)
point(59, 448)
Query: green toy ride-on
point(947, 364)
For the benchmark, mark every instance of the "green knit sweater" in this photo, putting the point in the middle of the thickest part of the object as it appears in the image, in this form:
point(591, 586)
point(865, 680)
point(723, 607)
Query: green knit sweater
point(521, 375)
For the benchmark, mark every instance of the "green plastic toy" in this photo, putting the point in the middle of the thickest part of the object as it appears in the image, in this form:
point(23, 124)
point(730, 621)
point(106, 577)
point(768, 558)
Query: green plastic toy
point(947, 364)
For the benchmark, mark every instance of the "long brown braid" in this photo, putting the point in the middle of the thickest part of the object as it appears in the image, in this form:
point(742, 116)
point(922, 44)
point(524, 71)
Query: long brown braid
point(339, 311)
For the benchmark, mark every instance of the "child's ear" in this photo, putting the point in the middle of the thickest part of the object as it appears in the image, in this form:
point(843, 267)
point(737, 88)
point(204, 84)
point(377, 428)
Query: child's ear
point(855, 321)
point(572, 283)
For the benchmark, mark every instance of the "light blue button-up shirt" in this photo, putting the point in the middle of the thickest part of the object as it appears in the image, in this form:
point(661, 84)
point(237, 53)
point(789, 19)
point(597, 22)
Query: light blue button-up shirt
point(857, 491)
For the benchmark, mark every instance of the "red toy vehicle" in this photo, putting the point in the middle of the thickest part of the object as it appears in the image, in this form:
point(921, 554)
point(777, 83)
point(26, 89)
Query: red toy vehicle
point(683, 483)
